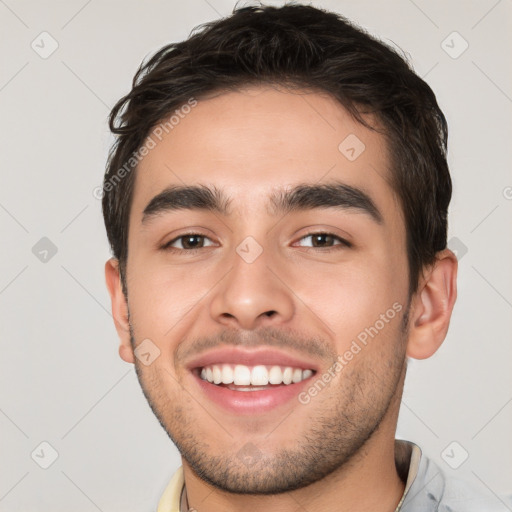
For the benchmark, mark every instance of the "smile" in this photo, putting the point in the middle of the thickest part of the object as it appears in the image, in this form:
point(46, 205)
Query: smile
point(255, 381)
point(252, 378)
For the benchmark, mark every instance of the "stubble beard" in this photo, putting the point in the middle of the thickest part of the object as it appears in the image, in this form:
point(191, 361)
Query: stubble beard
point(342, 422)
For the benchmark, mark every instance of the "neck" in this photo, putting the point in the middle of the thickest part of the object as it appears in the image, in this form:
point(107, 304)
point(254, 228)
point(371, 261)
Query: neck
point(368, 482)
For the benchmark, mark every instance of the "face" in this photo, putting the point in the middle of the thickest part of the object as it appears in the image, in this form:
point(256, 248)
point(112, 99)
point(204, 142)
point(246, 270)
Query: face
point(265, 242)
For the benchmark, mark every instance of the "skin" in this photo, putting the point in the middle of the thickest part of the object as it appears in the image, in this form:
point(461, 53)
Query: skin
point(337, 451)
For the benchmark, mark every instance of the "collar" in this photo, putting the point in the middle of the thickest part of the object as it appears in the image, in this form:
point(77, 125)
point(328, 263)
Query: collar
point(407, 460)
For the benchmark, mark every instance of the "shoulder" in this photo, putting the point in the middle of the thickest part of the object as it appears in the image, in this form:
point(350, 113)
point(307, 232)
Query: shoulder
point(431, 490)
point(462, 496)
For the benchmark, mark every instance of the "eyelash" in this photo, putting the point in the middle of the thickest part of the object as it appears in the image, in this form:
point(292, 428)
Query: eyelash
point(343, 243)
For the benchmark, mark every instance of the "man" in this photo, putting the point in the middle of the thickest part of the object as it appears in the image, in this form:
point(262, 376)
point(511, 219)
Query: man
point(276, 202)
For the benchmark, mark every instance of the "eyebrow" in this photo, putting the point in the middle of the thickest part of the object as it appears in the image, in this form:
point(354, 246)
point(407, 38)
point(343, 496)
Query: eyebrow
point(300, 197)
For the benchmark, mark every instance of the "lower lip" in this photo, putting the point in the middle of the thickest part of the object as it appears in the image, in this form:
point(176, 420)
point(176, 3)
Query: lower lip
point(251, 402)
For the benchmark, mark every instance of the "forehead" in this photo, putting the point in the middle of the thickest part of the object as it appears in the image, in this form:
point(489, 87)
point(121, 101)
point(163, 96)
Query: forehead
point(250, 142)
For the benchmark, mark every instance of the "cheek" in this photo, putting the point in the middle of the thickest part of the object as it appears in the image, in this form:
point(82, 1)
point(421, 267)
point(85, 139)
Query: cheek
point(160, 296)
point(349, 297)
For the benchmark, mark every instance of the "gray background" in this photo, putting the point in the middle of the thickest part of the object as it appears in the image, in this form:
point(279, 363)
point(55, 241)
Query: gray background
point(61, 379)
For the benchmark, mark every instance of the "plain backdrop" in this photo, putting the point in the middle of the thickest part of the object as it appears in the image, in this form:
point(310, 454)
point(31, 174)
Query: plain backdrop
point(62, 382)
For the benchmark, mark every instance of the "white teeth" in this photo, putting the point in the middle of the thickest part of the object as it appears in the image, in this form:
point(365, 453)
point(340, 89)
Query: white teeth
point(259, 375)
point(227, 374)
point(297, 375)
point(275, 375)
point(247, 388)
point(287, 375)
point(242, 375)
point(306, 374)
point(217, 374)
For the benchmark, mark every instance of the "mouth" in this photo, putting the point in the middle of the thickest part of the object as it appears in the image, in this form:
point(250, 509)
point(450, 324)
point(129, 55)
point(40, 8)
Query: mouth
point(252, 378)
point(251, 382)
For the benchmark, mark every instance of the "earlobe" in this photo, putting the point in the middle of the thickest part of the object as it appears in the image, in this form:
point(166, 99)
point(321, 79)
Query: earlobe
point(119, 309)
point(432, 307)
point(126, 353)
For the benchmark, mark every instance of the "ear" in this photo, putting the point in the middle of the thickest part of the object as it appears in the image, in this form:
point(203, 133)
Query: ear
point(119, 309)
point(432, 306)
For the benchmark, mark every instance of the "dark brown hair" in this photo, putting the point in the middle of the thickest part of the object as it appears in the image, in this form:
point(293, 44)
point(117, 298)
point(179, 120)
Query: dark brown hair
point(305, 47)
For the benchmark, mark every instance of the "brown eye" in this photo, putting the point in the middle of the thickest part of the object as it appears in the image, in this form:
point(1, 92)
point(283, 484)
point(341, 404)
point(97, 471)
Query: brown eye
point(188, 242)
point(323, 240)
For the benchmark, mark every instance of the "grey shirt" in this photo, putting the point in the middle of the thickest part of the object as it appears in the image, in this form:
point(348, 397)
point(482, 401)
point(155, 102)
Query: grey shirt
point(429, 490)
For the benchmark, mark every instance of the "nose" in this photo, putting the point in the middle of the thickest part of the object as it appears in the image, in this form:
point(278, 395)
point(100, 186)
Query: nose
point(252, 295)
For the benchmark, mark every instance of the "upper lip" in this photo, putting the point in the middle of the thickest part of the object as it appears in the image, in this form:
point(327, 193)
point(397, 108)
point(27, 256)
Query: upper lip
point(260, 356)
